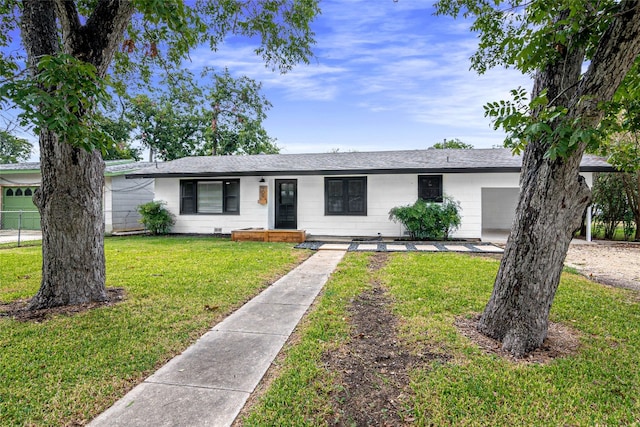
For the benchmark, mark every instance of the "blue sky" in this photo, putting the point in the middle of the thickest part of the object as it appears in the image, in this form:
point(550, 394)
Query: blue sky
point(387, 75)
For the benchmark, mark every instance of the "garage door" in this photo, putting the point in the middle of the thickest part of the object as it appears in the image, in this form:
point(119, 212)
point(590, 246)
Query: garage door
point(18, 209)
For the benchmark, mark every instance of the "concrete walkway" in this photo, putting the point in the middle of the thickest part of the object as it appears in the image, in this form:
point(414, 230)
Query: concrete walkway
point(210, 382)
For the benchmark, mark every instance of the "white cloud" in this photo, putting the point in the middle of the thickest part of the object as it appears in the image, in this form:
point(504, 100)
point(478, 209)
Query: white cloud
point(380, 56)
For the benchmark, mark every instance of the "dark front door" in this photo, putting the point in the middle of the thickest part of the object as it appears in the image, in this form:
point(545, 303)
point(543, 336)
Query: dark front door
point(286, 202)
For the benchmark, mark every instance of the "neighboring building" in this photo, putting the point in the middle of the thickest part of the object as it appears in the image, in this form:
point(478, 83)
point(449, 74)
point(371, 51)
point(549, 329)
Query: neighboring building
point(121, 197)
point(340, 194)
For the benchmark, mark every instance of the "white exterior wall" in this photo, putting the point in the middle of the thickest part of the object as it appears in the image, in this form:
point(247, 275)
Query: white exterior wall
point(252, 214)
point(384, 192)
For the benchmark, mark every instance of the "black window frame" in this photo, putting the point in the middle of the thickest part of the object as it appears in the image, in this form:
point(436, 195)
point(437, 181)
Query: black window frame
point(345, 196)
point(189, 197)
point(422, 182)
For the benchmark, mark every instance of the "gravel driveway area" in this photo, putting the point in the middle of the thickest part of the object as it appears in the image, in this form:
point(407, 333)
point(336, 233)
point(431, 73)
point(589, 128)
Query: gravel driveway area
point(615, 264)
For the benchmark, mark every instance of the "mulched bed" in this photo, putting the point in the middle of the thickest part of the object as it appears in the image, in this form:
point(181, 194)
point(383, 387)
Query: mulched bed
point(18, 309)
point(561, 341)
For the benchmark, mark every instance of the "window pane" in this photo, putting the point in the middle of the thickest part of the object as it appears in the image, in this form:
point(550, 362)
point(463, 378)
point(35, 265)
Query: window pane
point(430, 188)
point(334, 196)
point(210, 197)
point(187, 205)
point(232, 196)
point(346, 196)
point(356, 196)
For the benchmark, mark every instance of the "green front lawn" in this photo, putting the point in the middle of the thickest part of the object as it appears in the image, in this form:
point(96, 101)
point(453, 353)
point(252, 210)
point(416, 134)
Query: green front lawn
point(600, 385)
point(68, 369)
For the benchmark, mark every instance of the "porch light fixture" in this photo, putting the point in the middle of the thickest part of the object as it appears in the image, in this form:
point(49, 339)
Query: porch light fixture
point(262, 181)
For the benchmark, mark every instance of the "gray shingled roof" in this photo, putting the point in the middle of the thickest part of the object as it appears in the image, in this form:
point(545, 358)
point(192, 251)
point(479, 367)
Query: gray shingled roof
point(408, 161)
point(112, 167)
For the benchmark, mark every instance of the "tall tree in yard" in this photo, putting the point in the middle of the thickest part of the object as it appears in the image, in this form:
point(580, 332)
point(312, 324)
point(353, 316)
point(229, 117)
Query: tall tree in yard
point(70, 46)
point(622, 143)
point(13, 149)
point(553, 40)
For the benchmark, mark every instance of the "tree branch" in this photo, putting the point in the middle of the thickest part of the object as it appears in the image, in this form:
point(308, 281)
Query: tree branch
point(69, 21)
point(614, 57)
point(99, 37)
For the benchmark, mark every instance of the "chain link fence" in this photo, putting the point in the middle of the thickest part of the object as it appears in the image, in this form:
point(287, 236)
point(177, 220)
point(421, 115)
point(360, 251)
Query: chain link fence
point(20, 226)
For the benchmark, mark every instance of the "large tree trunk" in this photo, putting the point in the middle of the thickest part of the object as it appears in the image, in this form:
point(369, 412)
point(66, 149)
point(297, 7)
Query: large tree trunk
point(552, 200)
point(70, 197)
point(70, 205)
point(553, 196)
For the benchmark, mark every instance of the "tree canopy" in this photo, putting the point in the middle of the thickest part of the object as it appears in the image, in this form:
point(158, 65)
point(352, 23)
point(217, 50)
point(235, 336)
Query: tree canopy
point(222, 115)
point(13, 149)
point(71, 55)
point(454, 143)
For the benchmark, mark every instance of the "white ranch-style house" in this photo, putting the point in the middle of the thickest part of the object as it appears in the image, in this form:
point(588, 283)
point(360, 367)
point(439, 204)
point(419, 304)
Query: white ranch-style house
point(341, 194)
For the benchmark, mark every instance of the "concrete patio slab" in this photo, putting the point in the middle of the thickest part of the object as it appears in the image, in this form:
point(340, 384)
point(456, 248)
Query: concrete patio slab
point(457, 248)
point(489, 248)
point(165, 405)
point(335, 246)
point(427, 248)
point(397, 248)
point(367, 247)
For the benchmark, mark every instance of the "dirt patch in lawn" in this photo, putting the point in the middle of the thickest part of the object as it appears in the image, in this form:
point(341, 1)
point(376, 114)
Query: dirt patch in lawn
point(18, 309)
point(374, 365)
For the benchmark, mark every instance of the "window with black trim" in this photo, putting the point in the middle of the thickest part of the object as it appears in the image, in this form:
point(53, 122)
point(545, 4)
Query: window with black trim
point(210, 196)
point(430, 188)
point(345, 196)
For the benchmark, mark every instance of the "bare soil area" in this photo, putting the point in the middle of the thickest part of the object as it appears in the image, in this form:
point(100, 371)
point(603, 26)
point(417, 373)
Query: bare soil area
point(375, 365)
point(610, 263)
point(18, 309)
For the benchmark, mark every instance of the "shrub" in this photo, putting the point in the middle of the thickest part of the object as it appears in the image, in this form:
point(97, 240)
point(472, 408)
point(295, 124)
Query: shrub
point(428, 220)
point(156, 219)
